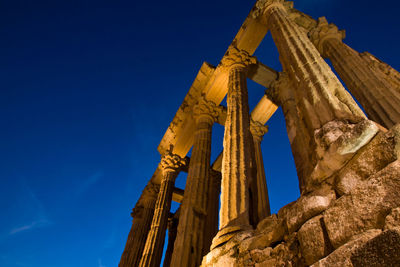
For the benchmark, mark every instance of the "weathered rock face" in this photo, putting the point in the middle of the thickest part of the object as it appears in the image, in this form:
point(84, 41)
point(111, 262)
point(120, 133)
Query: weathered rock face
point(392, 221)
point(337, 142)
point(383, 250)
point(306, 207)
point(365, 207)
point(314, 242)
point(373, 157)
point(238, 251)
point(341, 256)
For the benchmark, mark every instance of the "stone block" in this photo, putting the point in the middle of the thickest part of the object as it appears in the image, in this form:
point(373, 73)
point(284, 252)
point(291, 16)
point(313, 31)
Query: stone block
point(341, 256)
point(383, 250)
point(314, 243)
point(337, 142)
point(259, 255)
point(373, 157)
point(366, 207)
point(269, 231)
point(305, 208)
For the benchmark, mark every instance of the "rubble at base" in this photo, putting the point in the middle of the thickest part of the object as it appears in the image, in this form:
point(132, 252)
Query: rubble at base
point(361, 226)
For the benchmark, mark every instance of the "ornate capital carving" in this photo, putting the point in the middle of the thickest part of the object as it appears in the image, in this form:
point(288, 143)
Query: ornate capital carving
point(258, 130)
point(263, 6)
point(324, 31)
point(237, 58)
point(171, 162)
point(274, 93)
point(206, 108)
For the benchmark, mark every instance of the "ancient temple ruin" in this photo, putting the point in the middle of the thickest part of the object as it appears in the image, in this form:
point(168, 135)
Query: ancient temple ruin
point(347, 161)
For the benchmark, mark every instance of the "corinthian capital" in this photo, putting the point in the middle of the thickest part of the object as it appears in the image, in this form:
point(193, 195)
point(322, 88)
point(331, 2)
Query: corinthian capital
point(276, 93)
point(263, 6)
point(324, 31)
point(171, 162)
point(206, 108)
point(258, 130)
point(237, 58)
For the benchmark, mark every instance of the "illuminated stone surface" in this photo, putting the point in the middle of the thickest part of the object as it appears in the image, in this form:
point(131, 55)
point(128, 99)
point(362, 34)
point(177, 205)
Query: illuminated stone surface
point(347, 163)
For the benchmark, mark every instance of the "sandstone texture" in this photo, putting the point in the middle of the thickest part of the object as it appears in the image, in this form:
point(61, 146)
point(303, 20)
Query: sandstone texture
point(313, 239)
point(341, 256)
point(305, 208)
point(383, 250)
point(377, 154)
point(365, 207)
point(392, 221)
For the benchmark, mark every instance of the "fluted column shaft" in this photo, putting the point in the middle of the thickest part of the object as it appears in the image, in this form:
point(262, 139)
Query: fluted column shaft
point(381, 102)
point(190, 240)
point(152, 253)
point(383, 70)
point(212, 210)
point(282, 94)
point(236, 158)
point(142, 216)
point(172, 231)
point(263, 207)
point(321, 97)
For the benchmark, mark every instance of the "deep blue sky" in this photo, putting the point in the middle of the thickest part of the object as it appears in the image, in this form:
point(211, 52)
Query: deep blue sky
point(88, 89)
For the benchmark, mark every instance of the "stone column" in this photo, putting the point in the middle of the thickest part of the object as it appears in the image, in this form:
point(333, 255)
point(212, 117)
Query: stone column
point(236, 172)
point(327, 110)
point(381, 101)
point(172, 230)
point(282, 94)
point(262, 202)
point(152, 254)
point(188, 248)
point(142, 216)
point(321, 95)
point(382, 69)
point(212, 210)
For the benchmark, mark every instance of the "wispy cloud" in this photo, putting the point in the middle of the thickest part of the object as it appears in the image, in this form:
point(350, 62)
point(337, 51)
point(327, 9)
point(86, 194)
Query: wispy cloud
point(35, 208)
point(32, 225)
point(86, 184)
point(100, 263)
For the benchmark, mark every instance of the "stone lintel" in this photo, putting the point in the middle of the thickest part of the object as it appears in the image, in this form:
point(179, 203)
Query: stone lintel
point(262, 74)
point(177, 195)
point(213, 82)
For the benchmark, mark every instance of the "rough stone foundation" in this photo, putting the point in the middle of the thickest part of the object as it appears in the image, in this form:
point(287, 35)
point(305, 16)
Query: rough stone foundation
point(352, 219)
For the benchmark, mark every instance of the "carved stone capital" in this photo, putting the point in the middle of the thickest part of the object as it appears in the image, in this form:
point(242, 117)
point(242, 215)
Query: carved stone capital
point(171, 162)
point(324, 31)
point(258, 130)
point(237, 58)
point(206, 108)
point(275, 92)
point(263, 6)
